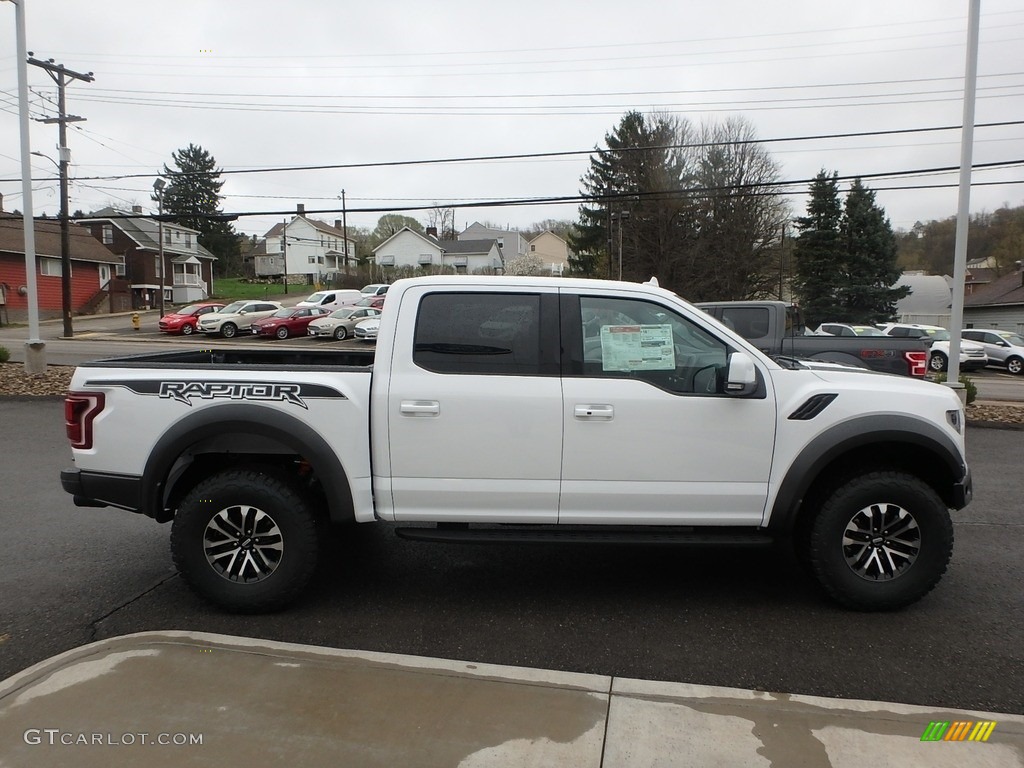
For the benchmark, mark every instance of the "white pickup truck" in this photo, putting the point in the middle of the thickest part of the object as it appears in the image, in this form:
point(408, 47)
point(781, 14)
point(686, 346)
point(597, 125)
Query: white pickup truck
point(524, 409)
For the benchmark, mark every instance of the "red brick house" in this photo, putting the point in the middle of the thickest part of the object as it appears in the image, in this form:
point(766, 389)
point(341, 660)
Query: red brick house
point(93, 268)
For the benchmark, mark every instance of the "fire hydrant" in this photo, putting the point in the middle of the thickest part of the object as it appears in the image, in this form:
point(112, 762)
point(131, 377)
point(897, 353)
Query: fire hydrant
point(136, 321)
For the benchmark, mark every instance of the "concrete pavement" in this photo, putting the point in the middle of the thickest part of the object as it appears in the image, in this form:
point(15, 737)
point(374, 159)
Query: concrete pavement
point(183, 699)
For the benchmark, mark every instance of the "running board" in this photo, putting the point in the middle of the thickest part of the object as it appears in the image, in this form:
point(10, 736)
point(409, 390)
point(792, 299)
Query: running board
point(462, 533)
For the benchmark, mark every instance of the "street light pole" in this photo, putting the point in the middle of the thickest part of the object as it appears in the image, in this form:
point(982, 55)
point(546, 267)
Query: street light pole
point(623, 215)
point(35, 349)
point(158, 186)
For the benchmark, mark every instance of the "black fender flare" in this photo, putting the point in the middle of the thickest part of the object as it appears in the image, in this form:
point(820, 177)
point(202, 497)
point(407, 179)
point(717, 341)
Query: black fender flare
point(246, 419)
point(856, 433)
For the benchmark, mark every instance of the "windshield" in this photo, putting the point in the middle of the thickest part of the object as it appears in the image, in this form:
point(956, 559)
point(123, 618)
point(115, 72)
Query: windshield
point(232, 308)
point(1012, 338)
point(938, 335)
point(284, 313)
point(316, 298)
point(191, 309)
point(864, 330)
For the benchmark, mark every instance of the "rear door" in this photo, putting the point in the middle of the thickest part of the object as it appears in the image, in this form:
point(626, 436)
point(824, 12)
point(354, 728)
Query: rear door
point(474, 415)
point(649, 436)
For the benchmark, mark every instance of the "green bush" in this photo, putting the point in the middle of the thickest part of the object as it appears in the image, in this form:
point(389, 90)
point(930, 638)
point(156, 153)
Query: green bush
point(969, 385)
point(4, 355)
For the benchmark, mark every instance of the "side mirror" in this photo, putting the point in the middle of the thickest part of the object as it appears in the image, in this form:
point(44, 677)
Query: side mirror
point(742, 377)
point(243, 311)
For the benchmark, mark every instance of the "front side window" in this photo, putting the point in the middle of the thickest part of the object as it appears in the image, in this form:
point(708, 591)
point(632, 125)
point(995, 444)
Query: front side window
point(479, 333)
point(637, 339)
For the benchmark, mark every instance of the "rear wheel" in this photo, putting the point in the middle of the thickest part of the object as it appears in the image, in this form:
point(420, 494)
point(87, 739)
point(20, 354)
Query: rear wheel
point(246, 540)
point(937, 362)
point(880, 541)
point(229, 330)
point(1015, 365)
point(340, 333)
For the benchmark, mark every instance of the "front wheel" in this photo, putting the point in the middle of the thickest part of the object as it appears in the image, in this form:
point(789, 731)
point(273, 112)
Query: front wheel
point(1015, 365)
point(937, 362)
point(282, 333)
point(881, 541)
point(187, 330)
point(340, 333)
point(246, 540)
point(229, 330)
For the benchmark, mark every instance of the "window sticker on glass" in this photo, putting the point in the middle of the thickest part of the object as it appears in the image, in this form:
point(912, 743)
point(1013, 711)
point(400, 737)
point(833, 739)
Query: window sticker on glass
point(637, 348)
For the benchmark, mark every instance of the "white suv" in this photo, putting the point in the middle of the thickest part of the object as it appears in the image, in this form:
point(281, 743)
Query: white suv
point(1002, 347)
point(972, 356)
point(240, 313)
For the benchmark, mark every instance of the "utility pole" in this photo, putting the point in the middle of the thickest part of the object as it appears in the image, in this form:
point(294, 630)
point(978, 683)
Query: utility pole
point(284, 254)
point(344, 228)
point(58, 73)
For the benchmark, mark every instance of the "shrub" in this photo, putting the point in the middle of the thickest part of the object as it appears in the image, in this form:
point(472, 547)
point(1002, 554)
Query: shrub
point(969, 385)
point(4, 355)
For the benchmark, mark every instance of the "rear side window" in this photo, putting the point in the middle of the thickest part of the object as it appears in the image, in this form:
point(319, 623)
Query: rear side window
point(748, 322)
point(479, 333)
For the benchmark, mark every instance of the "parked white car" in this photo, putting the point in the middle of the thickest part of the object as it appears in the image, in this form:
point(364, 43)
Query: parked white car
point(1002, 347)
point(341, 323)
point(367, 329)
point(374, 289)
point(331, 300)
point(239, 314)
point(972, 355)
point(844, 329)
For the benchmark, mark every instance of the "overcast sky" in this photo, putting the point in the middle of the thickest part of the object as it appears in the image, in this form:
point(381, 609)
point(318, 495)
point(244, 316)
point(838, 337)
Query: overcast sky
point(313, 83)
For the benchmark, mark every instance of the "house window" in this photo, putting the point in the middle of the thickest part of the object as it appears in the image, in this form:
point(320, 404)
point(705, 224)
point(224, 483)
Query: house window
point(533, 248)
point(50, 267)
point(387, 261)
point(311, 259)
point(188, 241)
point(108, 234)
point(426, 258)
point(119, 269)
point(501, 242)
point(167, 237)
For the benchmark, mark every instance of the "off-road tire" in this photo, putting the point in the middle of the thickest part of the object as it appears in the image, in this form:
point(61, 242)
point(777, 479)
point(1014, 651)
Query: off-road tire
point(285, 521)
point(880, 541)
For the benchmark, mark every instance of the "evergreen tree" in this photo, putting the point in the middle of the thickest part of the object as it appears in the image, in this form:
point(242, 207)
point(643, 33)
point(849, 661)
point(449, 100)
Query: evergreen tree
point(871, 271)
point(819, 253)
point(192, 198)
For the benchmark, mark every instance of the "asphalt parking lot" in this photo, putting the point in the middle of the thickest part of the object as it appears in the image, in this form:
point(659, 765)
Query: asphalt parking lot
point(732, 618)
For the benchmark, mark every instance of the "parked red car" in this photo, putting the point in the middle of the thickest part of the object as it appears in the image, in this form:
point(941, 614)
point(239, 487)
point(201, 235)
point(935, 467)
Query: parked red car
point(287, 322)
point(185, 319)
point(376, 302)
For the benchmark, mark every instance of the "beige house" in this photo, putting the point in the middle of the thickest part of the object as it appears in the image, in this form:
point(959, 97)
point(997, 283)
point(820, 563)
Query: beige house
point(552, 250)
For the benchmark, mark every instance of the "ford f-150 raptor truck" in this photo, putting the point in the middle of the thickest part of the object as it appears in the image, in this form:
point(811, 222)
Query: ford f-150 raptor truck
point(524, 409)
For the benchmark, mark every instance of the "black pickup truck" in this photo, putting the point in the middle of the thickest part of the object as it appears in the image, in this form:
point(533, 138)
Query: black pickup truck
point(776, 329)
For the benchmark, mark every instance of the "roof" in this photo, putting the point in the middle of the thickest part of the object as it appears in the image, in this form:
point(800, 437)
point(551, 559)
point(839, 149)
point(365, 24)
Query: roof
point(323, 226)
point(423, 237)
point(145, 231)
point(547, 232)
point(84, 247)
point(467, 246)
point(1008, 289)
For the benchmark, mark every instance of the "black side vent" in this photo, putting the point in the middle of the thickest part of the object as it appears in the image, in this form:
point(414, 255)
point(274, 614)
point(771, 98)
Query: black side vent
point(812, 407)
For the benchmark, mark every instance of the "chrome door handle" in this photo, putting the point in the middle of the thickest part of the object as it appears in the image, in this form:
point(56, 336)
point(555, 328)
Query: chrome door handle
point(420, 408)
point(594, 412)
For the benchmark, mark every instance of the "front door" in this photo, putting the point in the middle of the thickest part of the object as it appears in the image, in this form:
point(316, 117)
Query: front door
point(474, 417)
point(104, 275)
point(649, 436)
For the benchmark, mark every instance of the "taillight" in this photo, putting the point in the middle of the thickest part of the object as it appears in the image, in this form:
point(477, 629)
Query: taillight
point(918, 362)
point(80, 408)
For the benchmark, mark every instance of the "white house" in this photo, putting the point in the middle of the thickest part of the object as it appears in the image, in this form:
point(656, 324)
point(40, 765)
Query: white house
point(407, 248)
point(511, 242)
point(311, 247)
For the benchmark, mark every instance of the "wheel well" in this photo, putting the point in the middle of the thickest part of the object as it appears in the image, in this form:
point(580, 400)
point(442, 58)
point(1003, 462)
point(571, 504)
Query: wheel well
point(263, 438)
point(889, 456)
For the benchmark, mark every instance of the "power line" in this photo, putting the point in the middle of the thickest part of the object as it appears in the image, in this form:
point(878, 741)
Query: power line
point(538, 155)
